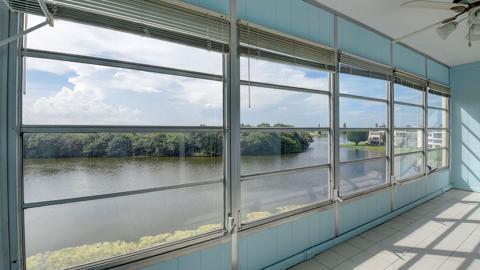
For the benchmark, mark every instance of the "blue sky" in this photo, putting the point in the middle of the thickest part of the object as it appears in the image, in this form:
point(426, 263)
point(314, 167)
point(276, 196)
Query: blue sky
point(70, 93)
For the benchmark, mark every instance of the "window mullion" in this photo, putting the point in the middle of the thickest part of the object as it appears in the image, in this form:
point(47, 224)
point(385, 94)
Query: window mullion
point(425, 130)
point(391, 148)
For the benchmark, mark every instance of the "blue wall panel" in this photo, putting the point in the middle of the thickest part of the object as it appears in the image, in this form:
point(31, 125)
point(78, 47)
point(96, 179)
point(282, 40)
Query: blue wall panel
point(293, 17)
point(438, 180)
point(465, 126)
point(359, 41)
point(437, 72)
point(409, 192)
point(222, 6)
point(268, 246)
point(212, 258)
point(408, 60)
point(362, 210)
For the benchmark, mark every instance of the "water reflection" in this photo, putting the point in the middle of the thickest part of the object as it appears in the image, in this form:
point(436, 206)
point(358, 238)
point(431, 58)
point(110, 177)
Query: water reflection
point(131, 218)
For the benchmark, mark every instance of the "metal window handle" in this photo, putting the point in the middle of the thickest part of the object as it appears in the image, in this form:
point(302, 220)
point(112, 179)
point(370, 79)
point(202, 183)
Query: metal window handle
point(231, 224)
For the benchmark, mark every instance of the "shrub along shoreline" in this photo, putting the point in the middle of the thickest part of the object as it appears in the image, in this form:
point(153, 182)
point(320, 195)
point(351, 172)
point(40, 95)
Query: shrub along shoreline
point(156, 144)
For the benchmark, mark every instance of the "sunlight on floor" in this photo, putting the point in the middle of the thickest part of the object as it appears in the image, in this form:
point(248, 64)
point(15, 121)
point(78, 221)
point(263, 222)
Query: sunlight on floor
point(443, 233)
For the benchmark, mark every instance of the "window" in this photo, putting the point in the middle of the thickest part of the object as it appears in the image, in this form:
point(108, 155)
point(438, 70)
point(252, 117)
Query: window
point(363, 136)
point(105, 148)
point(360, 113)
point(105, 43)
point(408, 135)
point(285, 140)
point(438, 130)
point(261, 105)
point(355, 85)
point(85, 94)
point(125, 146)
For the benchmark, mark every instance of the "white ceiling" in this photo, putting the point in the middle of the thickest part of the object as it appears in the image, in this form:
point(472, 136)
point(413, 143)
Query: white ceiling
point(386, 16)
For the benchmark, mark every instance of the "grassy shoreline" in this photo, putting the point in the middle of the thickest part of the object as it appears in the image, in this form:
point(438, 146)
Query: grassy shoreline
point(364, 146)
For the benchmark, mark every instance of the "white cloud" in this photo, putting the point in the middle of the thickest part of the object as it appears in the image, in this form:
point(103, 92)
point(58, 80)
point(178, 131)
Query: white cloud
point(188, 100)
point(74, 38)
point(78, 106)
point(89, 100)
point(282, 74)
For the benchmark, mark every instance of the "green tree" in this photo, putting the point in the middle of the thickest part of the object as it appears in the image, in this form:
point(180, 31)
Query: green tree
point(96, 146)
point(119, 146)
point(357, 136)
point(155, 144)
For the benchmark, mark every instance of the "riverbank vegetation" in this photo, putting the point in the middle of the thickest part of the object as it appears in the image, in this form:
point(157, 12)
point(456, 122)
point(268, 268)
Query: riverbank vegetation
point(156, 144)
point(364, 146)
point(274, 143)
point(79, 255)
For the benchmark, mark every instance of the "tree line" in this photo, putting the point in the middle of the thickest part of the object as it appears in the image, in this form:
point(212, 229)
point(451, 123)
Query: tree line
point(156, 144)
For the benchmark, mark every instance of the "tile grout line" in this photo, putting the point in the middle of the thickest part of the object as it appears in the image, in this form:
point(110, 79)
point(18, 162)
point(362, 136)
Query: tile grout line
point(450, 255)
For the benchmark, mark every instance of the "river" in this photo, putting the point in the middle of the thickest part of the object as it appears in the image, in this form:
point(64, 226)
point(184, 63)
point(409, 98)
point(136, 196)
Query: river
point(130, 217)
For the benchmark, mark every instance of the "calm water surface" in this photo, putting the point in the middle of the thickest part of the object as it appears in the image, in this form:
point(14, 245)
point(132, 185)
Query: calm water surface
point(130, 217)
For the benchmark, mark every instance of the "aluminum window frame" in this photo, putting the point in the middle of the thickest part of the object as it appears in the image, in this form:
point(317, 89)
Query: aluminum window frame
point(446, 129)
point(327, 129)
point(386, 129)
point(413, 86)
point(24, 53)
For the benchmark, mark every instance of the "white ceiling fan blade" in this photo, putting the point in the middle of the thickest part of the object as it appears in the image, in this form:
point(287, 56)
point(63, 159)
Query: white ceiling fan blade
point(451, 19)
point(417, 31)
point(432, 5)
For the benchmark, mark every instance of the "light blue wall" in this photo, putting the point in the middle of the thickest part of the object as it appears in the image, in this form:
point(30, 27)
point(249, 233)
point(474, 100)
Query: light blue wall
point(363, 210)
point(357, 40)
point(408, 60)
point(261, 249)
point(293, 17)
point(465, 126)
point(212, 258)
point(438, 72)
point(221, 6)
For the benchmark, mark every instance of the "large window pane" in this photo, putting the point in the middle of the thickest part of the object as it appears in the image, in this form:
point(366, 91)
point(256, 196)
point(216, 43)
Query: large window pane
point(437, 158)
point(362, 175)
point(277, 193)
point(408, 141)
point(408, 116)
point(437, 101)
point(408, 95)
point(266, 107)
point(66, 235)
point(81, 94)
point(363, 86)
point(408, 165)
point(362, 144)
point(58, 166)
point(266, 151)
point(437, 138)
point(283, 74)
point(357, 113)
point(437, 118)
point(101, 42)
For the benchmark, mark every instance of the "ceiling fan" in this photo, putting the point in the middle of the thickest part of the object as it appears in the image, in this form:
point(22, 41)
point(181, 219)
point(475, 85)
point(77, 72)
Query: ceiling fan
point(446, 26)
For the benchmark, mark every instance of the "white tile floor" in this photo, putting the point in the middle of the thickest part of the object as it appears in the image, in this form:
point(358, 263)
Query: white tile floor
point(443, 233)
